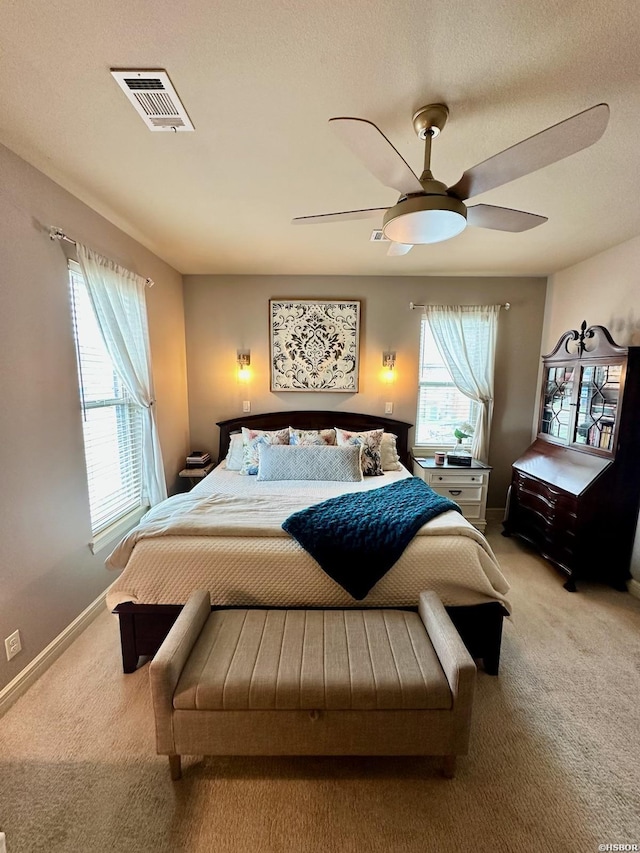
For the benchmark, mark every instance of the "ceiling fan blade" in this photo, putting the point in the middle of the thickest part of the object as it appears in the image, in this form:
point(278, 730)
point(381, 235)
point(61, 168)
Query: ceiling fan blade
point(502, 218)
point(370, 144)
point(399, 248)
point(547, 147)
point(343, 216)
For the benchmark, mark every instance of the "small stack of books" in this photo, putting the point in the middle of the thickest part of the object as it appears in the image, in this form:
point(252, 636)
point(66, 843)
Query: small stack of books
point(198, 459)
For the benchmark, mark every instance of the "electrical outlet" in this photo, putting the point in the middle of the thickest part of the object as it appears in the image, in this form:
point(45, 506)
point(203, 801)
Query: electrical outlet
point(388, 408)
point(246, 405)
point(13, 645)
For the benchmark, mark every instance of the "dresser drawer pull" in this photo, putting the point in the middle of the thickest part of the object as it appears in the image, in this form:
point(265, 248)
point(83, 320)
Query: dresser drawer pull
point(455, 491)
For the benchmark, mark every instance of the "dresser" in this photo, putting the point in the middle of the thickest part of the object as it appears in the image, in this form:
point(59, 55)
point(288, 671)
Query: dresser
point(467, 486)
point(575, 491)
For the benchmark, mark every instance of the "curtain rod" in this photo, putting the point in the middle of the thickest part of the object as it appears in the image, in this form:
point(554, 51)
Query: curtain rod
point(414, 305)
point(58, 234)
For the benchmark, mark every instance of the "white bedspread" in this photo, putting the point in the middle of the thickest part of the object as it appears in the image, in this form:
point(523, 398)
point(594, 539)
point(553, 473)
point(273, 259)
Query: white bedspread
point(226, 536)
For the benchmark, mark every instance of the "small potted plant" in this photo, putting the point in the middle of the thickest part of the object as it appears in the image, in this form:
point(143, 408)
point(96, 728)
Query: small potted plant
point(463, 431)
point(460, 455)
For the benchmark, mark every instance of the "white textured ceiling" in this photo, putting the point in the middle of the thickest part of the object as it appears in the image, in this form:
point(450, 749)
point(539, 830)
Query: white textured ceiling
point(260, 81)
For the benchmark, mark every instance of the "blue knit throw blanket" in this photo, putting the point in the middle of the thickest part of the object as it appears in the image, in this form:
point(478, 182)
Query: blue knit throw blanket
point(356, 538)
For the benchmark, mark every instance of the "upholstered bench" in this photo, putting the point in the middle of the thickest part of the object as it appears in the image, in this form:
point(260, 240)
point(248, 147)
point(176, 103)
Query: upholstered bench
point(312, 682)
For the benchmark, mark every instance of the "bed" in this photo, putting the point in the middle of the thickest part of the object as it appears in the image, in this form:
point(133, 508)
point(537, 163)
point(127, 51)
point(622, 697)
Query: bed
point(248, 560)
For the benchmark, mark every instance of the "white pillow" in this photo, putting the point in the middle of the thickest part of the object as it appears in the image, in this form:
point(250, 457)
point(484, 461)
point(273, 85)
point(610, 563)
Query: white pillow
point(234, 454)
point(310, 462)
point(389, 453)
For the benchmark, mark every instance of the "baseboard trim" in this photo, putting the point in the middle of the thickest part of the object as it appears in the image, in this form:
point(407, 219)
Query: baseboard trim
point(634, 587)
point(35, 668)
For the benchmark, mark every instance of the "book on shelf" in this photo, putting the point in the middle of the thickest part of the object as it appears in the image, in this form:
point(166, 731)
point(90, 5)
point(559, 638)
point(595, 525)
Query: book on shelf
point(605, 436)
point(198, 459)
point(600, 435)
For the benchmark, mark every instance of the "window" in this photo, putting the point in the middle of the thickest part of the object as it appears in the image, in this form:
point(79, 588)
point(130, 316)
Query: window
point(441, 407)
point(112, 423)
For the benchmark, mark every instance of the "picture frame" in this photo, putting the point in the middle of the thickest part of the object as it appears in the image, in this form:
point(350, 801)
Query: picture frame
point(314, 345)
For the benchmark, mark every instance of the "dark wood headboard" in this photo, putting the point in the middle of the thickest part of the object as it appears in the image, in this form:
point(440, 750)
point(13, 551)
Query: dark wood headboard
point(318, 420)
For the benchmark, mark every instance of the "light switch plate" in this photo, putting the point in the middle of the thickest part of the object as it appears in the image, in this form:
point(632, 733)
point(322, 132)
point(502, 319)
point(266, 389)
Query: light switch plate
point(388, 408)
point(246, 405)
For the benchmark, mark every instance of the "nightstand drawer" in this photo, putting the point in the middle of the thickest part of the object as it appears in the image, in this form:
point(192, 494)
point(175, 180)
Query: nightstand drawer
point(459, 494)
point(472, 512)
point(455, 479)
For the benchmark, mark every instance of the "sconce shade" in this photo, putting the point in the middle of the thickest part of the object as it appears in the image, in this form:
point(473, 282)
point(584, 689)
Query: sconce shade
point(388, 364)
point(244, 362)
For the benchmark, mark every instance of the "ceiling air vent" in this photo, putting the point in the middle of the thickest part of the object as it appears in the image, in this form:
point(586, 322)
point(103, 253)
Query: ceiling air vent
point(378, 237)
point(154, 98)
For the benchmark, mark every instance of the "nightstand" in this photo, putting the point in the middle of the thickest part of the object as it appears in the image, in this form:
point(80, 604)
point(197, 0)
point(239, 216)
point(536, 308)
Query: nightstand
point(195, 474)
point(467, 486)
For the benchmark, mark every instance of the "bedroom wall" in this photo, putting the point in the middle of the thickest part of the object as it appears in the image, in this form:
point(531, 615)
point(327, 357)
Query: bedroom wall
point(47, 573)
point(227, 313)
point(604, 290)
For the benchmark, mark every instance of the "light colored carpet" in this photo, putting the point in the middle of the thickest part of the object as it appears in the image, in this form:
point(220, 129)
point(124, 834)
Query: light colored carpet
point(554, 761)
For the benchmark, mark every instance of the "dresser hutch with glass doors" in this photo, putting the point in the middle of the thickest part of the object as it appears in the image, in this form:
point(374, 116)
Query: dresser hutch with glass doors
point(575, 492)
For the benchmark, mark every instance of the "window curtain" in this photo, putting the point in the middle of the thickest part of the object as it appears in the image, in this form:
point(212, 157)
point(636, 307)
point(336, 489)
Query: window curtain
point(466, 338)
point(117, 296)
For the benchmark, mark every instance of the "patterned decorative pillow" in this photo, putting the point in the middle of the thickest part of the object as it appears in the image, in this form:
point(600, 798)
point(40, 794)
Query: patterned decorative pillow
point(389, 452)
point(234, 454)
point(251, 441)
point(370, 441)
point(307, 437)
point(310, 462)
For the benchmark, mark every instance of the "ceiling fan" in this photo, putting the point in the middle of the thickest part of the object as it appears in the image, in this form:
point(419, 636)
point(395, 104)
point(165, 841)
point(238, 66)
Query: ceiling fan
point(428, 211)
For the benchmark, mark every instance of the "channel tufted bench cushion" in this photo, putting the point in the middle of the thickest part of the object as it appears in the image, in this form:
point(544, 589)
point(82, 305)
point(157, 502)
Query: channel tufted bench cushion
point(284, 682)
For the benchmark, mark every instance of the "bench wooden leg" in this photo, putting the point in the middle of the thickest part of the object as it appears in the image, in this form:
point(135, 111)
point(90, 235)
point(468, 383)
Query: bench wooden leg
point(175, 767)
point(449, 766)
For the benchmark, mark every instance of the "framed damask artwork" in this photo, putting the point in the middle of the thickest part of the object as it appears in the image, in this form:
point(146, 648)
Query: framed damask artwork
point(314, 345)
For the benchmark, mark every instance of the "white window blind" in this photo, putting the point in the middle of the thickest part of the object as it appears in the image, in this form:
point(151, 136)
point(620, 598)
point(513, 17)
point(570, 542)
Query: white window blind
point(441, 407)
point(111, 422)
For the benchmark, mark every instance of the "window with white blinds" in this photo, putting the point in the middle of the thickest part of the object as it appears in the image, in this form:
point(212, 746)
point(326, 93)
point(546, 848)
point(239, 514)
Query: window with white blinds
point(111, 422)
point(441, 407)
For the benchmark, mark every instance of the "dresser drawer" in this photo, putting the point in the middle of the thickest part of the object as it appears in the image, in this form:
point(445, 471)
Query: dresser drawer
point(556, 507)
point(458, 493)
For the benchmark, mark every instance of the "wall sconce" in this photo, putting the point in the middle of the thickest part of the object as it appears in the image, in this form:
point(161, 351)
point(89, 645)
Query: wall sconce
point(389, 366)
point(244, 365)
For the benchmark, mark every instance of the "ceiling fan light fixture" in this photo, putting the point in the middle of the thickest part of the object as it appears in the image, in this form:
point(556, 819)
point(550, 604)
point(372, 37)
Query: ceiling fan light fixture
point(425, 219)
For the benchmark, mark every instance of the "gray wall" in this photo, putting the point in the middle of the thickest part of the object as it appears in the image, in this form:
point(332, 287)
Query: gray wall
point(227, 313)
point(48, 574)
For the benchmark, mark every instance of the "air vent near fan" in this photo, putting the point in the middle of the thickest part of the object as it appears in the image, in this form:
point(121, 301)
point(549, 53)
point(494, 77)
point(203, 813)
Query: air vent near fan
point(377, 236)
point(153, 98)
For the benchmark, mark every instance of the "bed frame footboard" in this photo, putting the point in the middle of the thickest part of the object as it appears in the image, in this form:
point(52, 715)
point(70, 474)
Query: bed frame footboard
point(143, 627)
point(480, 626)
